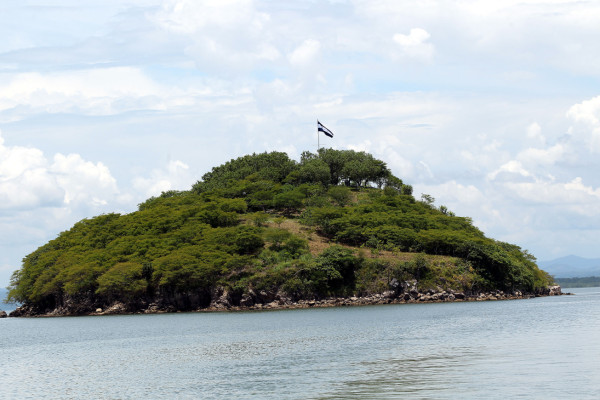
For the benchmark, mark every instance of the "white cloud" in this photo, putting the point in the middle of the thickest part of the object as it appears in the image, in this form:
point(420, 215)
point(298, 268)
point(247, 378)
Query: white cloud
point(512, 168)
point(224, 37)
point(91, 92)
point(473, 102)
point(187, 16)
point(586, 118)
point(574, 195)
point(542, 157)
point(14, 161)
point(174, 176)
point(587, 111)
point(83, 181)
point(534, 131)
point(306, 54)
point(28, 180)
point(415, 44)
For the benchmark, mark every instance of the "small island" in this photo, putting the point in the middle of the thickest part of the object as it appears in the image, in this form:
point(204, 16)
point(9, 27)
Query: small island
point(264, 231)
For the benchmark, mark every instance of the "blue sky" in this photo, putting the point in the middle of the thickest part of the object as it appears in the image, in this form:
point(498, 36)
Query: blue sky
point(493, 108)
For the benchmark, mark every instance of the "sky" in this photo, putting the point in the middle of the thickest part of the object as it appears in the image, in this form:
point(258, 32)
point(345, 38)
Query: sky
point(491, 107)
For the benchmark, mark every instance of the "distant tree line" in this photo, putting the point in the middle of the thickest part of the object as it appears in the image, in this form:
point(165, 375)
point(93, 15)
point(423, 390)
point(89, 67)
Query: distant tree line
point(588, 281)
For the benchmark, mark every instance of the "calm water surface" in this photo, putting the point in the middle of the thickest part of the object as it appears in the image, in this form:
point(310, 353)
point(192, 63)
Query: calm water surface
point(540, 348)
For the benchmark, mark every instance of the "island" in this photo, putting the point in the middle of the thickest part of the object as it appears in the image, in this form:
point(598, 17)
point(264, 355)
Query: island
point(264, 231)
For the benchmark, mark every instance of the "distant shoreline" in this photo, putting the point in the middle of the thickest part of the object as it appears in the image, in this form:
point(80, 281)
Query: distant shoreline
point(587, 281)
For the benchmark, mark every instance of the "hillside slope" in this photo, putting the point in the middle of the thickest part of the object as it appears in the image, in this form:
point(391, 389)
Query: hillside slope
point(264, 227)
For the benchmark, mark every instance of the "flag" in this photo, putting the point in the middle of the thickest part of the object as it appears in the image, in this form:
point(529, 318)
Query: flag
point(322, 128)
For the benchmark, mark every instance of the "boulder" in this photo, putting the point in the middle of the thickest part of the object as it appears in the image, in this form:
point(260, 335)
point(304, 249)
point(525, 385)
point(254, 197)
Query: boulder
point(246, 301)
point(116, 308)
point(409, 286)
point(152, 308)
point(265, 297)
point(283, 298)
point(3, 314)
point(220, 299)
point(554, 290)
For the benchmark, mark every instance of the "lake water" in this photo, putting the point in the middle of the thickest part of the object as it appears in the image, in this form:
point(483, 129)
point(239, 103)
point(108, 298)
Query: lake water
point(542, 348)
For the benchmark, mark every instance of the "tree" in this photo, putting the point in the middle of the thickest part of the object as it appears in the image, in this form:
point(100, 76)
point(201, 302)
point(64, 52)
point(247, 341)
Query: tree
point(335, 159)
point(123, 281)
point(343, 261)
point(427, 199)
point(407, 190)
point(290, 201)
point(339, 194)
point(274, 166)
point(314, 171)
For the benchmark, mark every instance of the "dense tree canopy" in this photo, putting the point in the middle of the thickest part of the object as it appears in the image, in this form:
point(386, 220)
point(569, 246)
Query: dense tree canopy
point(229, 233)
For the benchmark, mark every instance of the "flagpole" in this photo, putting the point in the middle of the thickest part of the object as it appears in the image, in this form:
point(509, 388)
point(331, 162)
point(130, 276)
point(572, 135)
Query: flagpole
point(318, 138)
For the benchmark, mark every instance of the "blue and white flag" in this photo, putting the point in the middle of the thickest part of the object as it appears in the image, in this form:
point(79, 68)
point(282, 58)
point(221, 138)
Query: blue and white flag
point(322, 128)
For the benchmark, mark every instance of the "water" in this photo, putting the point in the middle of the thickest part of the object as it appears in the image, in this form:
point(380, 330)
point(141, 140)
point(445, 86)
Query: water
point(4, 306)
point(539, 348)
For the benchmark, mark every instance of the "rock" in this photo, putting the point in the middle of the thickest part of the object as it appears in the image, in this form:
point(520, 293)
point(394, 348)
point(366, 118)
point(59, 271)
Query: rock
point(459, 296)
point(246, 301)
point(21, 311)
point(98, 310)
point(3, 314)
point(152, 308)
point(264, 297)
point(388, 294)
point(395, 285)
point(549, 291)
point(283, 298)
point(220, 299)
point(116, 308)
point(273, 304)
point(554, 290)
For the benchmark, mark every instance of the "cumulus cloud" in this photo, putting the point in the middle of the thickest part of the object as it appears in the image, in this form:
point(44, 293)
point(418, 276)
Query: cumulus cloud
point(174, 176)
point(211, 80)
point(574, 196)
point(586, 118)
point(415, 44)
point(29, 180)
point(541, 157)
point(83, 181)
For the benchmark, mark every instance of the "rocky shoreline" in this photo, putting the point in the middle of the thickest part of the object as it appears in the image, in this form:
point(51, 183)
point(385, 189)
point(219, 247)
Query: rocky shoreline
point(222, 301)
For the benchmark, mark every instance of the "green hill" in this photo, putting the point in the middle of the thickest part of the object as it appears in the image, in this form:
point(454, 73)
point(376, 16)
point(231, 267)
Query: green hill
point(263, 226)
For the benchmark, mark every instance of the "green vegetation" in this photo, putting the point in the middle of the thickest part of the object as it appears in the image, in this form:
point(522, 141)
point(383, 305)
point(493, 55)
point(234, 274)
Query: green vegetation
point(337, 223)
point(588, 281)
